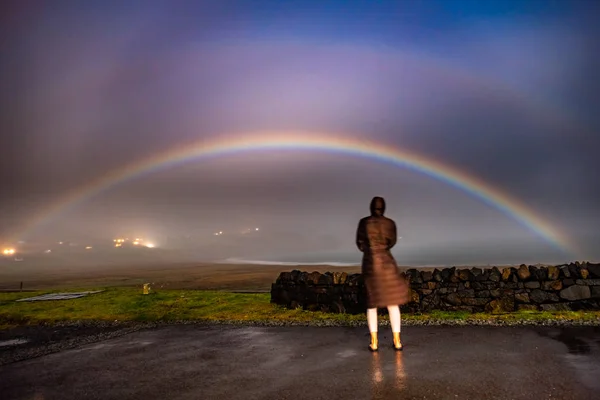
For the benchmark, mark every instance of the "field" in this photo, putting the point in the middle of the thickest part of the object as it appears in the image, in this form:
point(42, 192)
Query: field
point(173, 275)
point(194, 292)
point(123, 304)
point(233, 277)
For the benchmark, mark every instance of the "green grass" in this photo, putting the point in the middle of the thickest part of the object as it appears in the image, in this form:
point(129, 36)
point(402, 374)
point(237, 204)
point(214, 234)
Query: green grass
point(128, 304)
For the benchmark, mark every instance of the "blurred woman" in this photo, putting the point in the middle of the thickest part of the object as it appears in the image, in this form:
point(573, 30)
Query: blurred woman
point(385, 286)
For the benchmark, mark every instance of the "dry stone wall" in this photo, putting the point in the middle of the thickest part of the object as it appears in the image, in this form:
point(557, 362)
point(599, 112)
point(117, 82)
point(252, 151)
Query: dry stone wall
point(574, 286)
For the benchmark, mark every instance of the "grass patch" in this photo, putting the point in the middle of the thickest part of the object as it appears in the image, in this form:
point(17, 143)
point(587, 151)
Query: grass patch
point(128, 304)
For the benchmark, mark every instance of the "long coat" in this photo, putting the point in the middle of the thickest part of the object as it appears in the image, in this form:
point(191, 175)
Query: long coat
point(375, 236)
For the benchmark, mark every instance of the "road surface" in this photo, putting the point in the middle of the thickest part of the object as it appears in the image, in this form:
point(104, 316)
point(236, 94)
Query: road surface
point(200, 362)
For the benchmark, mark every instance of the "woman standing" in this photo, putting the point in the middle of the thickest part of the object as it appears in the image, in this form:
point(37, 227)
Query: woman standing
point(385, 287)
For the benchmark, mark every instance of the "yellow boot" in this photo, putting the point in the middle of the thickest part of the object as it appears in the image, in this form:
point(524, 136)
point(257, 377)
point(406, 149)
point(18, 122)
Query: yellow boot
point(373, 345)
point(397, 342)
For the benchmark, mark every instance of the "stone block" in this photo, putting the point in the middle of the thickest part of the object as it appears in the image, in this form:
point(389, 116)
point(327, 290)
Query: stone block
point(555, 307)
point(564, 272)
point(447, 273)
point(523, 272)
point(325, 279)
point(594, 270)
point(339, 278)
point(501, 305)
point(427, 276)
point(568, 282)
point(415, 297)
point(584, 305)
point(465, 275)
point(540, 296)
point(537, 273)
point(584, 273)
point(553, 273)
point(453, 299)
point(495, 275)
point(576, 292)
point(588, 282)
point(313, 278)
point(522, 297)
point(475, 301)
point(466, 293)
point(430, 302)
point(532, 285)
point(552, 285)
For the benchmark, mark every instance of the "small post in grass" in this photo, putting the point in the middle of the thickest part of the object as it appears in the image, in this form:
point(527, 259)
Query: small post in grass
point(146, 289)
point(21, 288)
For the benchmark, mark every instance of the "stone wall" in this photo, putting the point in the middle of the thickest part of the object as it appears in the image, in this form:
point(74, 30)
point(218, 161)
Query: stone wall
point(574, 286)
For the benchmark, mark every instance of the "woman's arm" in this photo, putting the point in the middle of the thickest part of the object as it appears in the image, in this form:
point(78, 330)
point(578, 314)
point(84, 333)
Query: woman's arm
point(360, 236)
point(392, 238)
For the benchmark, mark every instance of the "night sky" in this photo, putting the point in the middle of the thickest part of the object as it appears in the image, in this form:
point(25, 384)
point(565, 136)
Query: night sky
point(506, 91)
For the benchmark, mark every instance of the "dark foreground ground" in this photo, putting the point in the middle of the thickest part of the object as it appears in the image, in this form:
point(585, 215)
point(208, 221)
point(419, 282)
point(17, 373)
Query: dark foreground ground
point(219, 362)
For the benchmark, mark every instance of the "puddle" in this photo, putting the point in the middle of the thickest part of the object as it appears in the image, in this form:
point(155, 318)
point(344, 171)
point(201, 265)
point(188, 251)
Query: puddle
point(575, 345)
point(346, 353)
point(60, 296)
point(569, 338)
point(12, 342)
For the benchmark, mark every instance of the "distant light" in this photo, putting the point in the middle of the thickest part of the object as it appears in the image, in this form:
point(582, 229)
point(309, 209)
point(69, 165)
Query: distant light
point(256, 229)
point(88, 247)
point(136, 243)
point(48, 251)
point(60, 242)
point(8, 252)
point(149, 245)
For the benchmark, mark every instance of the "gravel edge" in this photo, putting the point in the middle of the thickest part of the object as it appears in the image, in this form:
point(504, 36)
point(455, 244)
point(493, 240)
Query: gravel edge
point(15, 353)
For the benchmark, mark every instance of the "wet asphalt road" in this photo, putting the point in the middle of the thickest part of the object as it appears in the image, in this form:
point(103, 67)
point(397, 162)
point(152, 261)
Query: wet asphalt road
point(194, 362)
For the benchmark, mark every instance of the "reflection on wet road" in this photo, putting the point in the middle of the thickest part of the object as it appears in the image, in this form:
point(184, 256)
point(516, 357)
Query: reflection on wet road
point(189, 362)
point(387, 379)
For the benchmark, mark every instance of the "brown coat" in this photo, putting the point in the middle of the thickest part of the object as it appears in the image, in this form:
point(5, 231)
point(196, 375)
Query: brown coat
point(375, 236)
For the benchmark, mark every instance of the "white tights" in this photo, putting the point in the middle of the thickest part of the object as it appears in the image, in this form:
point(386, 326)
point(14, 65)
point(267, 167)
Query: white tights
point(394, 312)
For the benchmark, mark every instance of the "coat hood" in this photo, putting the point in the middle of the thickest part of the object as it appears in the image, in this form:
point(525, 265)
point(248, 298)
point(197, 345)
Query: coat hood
point(377, 206)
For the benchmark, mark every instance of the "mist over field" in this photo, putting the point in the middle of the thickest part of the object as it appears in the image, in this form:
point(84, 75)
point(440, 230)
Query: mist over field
point(505, 93)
